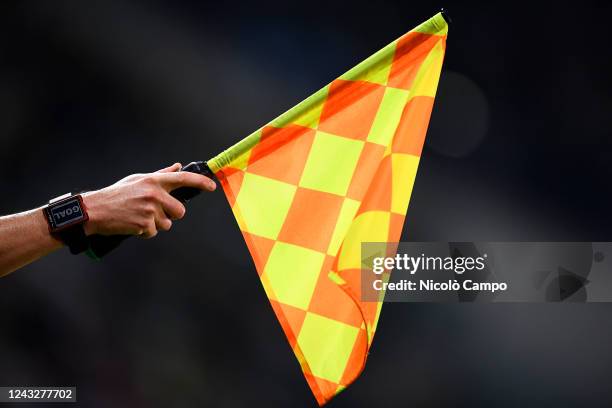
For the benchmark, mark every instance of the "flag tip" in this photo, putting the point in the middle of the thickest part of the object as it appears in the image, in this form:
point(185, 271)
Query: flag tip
point(445, 15)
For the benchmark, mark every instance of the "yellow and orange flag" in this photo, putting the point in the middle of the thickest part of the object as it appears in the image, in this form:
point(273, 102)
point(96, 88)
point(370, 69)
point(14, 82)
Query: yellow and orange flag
point(332, 172)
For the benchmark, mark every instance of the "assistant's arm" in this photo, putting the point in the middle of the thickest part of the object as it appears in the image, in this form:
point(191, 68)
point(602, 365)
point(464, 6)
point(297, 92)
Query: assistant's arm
point(24, 237)
point(139, 204)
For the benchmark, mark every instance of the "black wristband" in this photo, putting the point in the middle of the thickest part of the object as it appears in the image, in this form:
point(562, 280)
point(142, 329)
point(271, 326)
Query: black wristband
point(75, 239)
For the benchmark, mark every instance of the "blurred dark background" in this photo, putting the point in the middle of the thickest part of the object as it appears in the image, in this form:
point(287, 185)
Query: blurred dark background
point(519, 148)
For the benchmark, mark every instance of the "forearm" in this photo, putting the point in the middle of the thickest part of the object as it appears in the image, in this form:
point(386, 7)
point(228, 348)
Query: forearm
point(139, 204)
point(24, 238)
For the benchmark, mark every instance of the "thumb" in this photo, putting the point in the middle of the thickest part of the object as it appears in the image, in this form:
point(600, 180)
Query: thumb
point(171, 169)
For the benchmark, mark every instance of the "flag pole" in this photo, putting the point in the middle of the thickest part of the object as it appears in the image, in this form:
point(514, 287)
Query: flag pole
point(446, 16)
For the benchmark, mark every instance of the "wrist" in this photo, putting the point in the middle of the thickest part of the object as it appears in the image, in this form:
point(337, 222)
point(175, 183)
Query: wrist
point(91, 201)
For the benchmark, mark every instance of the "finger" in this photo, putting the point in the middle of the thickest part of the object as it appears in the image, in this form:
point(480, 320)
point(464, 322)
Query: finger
point(171, 181)
point(170, 169)
point(163, 223)
point(172, 207)
point(150, 231)
point(159, 220)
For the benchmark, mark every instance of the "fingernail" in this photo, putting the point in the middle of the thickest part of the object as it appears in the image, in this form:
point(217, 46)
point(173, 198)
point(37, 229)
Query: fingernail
point(212, 185)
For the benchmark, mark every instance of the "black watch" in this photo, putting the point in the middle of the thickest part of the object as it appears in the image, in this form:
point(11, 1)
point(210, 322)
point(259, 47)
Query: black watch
point(66, 215)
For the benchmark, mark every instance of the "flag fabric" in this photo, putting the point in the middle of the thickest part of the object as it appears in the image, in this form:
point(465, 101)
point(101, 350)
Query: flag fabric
point(334, 171)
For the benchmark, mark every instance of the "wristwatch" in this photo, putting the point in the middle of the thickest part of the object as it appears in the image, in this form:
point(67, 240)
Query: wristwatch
point(66, 215)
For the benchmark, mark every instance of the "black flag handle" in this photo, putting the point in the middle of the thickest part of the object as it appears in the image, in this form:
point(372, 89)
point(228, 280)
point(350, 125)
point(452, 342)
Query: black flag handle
point(100, 245)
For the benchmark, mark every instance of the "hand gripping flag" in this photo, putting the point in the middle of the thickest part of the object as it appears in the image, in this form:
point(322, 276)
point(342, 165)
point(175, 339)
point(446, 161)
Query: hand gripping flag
point(334, 171)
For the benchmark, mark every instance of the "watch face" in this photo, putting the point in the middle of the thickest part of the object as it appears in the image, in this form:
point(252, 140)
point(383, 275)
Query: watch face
point(65, 213)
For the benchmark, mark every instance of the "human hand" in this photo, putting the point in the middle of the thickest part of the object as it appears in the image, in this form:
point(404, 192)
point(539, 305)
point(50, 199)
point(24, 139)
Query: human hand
point(141, 204)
